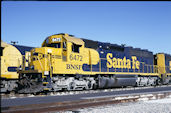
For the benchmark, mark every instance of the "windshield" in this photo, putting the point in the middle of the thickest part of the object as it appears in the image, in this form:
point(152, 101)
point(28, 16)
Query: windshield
point(55, 45)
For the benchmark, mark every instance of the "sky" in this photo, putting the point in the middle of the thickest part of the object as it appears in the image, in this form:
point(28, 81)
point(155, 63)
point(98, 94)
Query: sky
point(140, 24)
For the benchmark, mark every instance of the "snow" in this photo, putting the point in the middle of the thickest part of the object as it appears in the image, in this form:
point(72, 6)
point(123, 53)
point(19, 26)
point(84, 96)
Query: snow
point(150, 106)
point(143, 99)
point(121, 98)
point(161, 101)
point(31, 96)
point(13, 97)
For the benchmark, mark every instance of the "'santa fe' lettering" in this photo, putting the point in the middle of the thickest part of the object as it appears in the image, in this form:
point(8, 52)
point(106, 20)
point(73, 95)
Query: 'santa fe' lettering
point(113, 62)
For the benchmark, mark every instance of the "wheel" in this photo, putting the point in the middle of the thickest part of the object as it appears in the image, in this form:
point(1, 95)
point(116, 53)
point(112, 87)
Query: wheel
point(136, 84)
point(94, 86)
point(71, 86)
point(89, 86)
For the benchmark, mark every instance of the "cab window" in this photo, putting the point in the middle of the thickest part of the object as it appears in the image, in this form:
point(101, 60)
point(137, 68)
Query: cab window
point(55, 45)
point(75, 48)
point(64, 45)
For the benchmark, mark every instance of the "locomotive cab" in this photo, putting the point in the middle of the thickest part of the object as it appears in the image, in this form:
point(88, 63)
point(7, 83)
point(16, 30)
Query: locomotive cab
point(63, 53)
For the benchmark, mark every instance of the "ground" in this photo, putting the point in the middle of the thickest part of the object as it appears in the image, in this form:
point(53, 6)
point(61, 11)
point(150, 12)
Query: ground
point(142, 106)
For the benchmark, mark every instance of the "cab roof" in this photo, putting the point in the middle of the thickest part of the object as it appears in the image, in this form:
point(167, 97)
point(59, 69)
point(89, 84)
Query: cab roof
point(74, 40)
point(69, 38)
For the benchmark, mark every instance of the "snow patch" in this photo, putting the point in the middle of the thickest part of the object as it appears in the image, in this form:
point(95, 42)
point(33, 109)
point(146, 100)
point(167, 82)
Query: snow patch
point(137, 107)
point(146, 95)
point(143, 99)
point(160, 101)
point(12, 97)
point(31, 96)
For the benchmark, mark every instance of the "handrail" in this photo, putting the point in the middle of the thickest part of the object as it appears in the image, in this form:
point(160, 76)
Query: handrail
point(40, 63)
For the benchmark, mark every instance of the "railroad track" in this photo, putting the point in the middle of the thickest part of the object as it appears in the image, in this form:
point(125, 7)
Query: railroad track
point(75, 101)
point(14, 95)
point(36, 108)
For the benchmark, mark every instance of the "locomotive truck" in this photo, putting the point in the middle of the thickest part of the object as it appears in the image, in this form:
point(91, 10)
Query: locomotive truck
point(65, 62)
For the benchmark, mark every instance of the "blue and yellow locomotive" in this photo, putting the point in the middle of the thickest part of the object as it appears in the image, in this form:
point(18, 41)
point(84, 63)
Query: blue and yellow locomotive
point(68, 63)
point(12, 59)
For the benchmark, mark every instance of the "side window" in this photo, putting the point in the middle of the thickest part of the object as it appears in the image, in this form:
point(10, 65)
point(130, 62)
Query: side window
point(57, 45)
point(75, 48)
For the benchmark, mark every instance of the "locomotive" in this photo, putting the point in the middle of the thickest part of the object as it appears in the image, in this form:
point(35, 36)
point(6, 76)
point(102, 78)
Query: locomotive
point(12, 59)
point(65, 62)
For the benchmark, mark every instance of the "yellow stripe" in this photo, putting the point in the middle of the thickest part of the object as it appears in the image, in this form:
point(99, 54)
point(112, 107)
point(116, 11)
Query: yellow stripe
point(45, 82)
point(46, 89)
point(15, 76)
point(123, 73)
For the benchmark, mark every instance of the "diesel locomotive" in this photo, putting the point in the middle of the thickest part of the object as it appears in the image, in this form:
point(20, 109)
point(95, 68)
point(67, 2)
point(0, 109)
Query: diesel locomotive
point(12, 59)
point(65, 62)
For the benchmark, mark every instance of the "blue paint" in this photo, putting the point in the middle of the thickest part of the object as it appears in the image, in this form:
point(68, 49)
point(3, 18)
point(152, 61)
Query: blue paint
point(121, 52)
